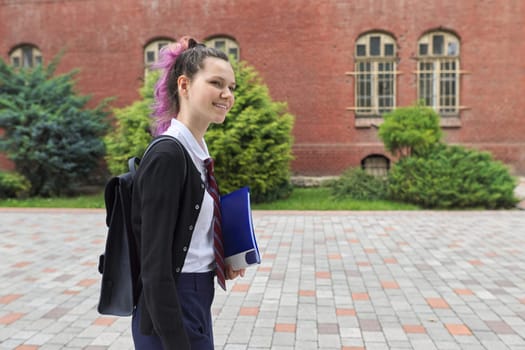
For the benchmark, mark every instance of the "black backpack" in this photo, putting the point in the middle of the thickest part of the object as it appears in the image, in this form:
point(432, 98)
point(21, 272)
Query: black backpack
point(119, 265)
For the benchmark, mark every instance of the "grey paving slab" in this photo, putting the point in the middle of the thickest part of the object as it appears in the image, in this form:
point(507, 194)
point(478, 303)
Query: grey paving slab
point(328, 280)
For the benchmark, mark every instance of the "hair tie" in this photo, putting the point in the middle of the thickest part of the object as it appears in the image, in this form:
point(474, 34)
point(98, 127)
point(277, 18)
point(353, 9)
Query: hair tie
point(168, 54)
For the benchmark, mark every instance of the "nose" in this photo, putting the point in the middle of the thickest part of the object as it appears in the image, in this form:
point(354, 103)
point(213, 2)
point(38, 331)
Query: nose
point(226, 93)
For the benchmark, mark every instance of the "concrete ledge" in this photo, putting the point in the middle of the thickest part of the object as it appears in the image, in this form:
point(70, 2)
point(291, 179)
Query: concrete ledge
point(311, 181)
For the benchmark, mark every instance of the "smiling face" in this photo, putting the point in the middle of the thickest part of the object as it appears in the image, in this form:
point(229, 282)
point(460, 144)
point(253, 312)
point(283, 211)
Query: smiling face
point(208, 96)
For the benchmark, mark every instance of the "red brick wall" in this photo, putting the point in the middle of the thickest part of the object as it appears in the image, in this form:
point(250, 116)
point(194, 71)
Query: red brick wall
point(302, 50)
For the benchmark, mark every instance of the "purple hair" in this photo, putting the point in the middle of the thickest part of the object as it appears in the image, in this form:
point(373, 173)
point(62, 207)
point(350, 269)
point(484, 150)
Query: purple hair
point(162, 106)
point(183, 57)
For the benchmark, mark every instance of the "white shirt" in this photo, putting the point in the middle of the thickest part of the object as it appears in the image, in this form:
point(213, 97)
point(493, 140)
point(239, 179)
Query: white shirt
point(200, 256)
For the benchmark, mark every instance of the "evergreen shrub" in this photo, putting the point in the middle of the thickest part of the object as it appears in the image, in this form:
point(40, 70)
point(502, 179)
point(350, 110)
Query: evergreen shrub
point(253, 147)
point(356, 183)
point(49, 134)
point(452, 177)
point(13, 185)
point(131, 129)
point(410, 130)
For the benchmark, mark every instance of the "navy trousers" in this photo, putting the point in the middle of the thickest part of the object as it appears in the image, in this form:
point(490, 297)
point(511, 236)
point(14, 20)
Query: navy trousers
point(196, 292)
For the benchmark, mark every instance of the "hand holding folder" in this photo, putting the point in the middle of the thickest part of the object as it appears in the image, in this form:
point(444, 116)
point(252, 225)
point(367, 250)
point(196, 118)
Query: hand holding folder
point(240, 244)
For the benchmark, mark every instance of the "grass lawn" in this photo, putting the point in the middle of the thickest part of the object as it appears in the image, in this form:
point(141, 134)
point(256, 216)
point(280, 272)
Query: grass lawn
point(321, 199)
point(92, 201)
point(301, 199)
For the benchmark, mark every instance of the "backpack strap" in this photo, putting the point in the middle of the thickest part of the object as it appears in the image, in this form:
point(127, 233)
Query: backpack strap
point(134, 162)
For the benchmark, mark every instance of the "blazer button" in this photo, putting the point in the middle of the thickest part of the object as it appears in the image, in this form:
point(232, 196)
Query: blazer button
point(197, 207)
point(184, 249)
point(177, 269)
point(202, 186)
point(190, 228)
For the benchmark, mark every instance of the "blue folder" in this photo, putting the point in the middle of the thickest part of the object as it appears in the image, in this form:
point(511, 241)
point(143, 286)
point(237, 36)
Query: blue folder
point(240, 245)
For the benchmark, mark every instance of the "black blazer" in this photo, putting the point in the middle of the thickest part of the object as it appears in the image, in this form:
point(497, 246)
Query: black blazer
point(167, 195)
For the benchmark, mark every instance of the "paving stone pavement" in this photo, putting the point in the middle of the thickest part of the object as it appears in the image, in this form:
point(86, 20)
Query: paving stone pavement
point(328, 280)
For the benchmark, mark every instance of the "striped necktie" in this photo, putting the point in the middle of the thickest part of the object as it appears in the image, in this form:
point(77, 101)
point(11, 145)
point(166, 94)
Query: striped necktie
point(213, 190)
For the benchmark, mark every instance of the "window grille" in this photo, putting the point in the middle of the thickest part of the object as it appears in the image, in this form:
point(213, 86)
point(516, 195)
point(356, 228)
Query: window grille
point(375, 74)
point(439, 71)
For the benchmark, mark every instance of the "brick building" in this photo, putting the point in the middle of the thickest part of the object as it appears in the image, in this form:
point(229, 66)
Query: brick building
point(337, 63)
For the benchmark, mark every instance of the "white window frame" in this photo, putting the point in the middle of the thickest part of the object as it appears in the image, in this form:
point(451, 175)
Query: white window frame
point(375, 70)
point(153, 48)
point(438, 73)
point(25, 56)
point(226, 45)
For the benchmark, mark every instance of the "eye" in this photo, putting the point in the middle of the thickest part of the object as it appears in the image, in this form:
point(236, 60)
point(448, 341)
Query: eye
point(232, 88)
point(216, 83)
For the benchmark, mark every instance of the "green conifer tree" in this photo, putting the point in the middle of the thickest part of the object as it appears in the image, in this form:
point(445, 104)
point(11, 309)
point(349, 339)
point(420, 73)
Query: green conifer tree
point(49, 134)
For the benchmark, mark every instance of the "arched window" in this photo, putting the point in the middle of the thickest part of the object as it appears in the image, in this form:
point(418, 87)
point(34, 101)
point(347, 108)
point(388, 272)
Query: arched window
point(226, 45)
point(25, 56)
point(376, 164)
point(151, 52)
point(375, 74)
point(438, 71)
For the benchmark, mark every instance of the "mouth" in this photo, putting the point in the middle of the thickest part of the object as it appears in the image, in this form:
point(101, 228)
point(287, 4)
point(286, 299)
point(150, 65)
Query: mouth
point(221, 106)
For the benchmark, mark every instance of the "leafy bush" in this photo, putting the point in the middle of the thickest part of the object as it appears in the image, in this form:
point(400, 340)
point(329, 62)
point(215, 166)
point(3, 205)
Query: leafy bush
point(410, 130)
point(13, 185)
point(253, 146)
point(54, 141)
point(452, 177)
point(357, 184)
point(131, 133)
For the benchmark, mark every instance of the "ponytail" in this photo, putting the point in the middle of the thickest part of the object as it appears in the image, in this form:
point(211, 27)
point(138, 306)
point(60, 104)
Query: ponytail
point(184, 57)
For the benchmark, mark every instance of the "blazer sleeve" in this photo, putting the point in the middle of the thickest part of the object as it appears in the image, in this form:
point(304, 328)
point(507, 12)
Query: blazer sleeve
point(160, 184)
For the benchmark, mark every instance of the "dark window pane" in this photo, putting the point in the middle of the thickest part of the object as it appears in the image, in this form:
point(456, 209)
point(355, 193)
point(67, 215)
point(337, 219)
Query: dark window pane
point(38, 59)
point(27, 54)
point(385, 66)
point(220, 45)
point(375, 46)
point(16, 61)
point(384, 87)
point(389, 49)
point(364, 88)
point(437, 44)
point(445, 87)
point(233, 52)
point(161, 45)
point(426, 83)
point(368, 93)
point(150, 56)
point(364, 66)
point(423, 49)
point(448, 66)
point(361, 50)
point(426, 67)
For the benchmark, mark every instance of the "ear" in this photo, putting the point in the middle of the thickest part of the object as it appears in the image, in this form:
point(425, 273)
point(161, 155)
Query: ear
point(183, 83)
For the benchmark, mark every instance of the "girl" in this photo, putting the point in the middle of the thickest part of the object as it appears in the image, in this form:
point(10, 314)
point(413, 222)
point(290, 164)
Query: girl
point(174, 218)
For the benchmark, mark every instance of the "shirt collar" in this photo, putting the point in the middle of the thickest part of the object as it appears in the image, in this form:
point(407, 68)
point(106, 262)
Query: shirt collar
point(184, 135)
